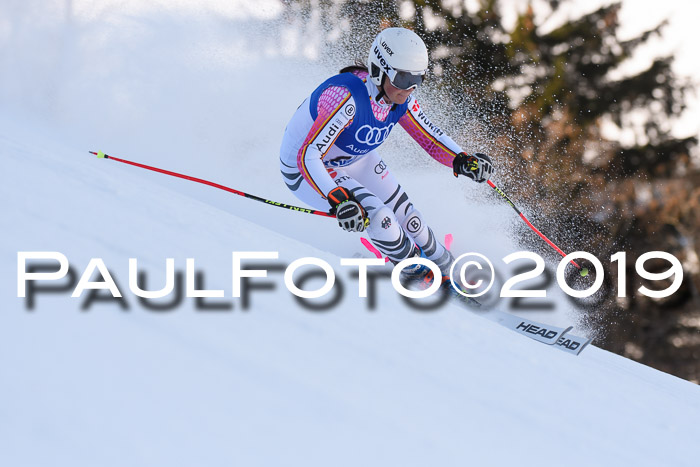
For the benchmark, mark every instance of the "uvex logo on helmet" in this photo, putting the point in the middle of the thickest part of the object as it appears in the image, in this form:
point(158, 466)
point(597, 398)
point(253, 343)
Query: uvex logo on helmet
point(373, 136)
point(387, 48)
point(381, 60)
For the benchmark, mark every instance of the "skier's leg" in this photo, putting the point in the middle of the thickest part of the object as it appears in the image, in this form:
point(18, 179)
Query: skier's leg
point(384, 229)
point(396, 227)
point(392, 206)
point(413, 223)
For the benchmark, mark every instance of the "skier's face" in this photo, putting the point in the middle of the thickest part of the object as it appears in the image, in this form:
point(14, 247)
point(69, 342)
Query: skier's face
point(395, 95)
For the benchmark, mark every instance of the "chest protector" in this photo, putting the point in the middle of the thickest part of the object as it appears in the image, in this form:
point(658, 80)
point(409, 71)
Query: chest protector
point(365, 132)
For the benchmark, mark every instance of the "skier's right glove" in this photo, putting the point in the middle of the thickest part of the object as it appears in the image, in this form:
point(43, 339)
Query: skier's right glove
point(477, 166)
point(349, 212)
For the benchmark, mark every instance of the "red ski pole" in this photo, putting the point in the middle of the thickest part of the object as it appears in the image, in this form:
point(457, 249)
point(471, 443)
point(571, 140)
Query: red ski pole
point(102, 155)
point(582, 271)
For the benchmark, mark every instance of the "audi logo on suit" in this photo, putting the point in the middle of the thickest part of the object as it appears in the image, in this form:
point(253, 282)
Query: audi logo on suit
point(372, 135)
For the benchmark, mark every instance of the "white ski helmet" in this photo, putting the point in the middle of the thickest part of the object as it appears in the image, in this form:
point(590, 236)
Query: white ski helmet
point(401, 55)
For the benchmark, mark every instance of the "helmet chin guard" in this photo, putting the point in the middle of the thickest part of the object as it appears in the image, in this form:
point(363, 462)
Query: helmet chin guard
point(401, 55)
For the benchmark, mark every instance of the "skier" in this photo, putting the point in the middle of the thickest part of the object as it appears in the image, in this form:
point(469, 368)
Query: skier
point(329, 150)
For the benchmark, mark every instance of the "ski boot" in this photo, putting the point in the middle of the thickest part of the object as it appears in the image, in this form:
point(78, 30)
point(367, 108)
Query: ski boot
point(414, 276)
point(447, 288)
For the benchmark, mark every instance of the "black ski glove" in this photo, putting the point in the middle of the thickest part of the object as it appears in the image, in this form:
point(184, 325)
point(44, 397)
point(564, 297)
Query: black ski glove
point(349, 212)
point(477, 166)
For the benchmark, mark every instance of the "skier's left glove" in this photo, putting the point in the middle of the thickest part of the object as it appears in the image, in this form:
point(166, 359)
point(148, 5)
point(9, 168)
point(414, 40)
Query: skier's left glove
point(477, 166)
point(349, 212)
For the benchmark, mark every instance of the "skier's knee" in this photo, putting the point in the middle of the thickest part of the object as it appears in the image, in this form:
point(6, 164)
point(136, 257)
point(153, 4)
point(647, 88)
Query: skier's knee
point(383, 219)
point(413, 222)
point(388, 236)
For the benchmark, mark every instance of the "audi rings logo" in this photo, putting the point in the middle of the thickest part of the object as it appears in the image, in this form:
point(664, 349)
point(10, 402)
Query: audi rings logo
point(379, 168)
point(350, 110)
point(373, 136)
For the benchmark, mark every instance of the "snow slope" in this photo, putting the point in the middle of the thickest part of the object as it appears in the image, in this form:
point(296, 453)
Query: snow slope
point(276, 384)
